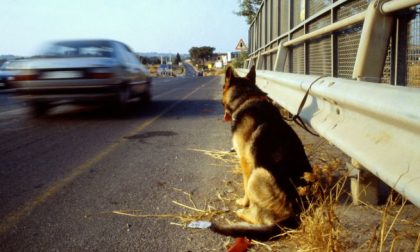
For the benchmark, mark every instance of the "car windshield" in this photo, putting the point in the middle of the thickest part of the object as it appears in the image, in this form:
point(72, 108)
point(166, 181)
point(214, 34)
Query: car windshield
point(79, 49)
point(10, 65)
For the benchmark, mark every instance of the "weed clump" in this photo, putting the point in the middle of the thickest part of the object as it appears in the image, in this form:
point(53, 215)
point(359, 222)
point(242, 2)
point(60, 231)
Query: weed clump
point(320, 227)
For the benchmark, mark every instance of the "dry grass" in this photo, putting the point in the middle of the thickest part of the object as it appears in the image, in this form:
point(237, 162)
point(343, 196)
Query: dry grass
point(387, 236)
point(321, 228)
point(225, 157)
point(191, 212)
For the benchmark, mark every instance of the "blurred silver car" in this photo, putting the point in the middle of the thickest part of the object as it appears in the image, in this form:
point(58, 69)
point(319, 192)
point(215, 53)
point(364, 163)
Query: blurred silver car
point(7, 72)
point(82, 71)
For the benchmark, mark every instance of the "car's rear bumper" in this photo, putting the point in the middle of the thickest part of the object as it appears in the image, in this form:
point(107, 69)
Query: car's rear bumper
point(73, 98)
point(65, 84)
point(78, 91)
point(65, 90)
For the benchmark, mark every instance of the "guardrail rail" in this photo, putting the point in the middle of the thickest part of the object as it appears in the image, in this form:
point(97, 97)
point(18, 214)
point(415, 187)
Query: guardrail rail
point(367, 102)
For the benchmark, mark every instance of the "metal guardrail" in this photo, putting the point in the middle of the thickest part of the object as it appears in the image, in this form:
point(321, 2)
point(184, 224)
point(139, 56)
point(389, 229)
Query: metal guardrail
point(355, 43)
point(324, 37)
point(378, 125)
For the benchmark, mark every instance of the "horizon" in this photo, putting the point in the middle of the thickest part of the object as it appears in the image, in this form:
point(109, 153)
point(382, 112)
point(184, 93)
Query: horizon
point(153, 54)
point(163, 26)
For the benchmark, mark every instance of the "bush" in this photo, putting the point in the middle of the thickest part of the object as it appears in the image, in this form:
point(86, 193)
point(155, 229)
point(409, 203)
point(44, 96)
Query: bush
point(239, 61)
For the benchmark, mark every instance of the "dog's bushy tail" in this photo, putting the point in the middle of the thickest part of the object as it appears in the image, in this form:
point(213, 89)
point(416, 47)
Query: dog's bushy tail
point(254, 231)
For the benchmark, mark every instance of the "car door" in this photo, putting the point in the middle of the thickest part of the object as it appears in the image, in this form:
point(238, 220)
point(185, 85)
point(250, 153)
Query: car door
point(125, 70)
point(137, 75)
point(139, 72)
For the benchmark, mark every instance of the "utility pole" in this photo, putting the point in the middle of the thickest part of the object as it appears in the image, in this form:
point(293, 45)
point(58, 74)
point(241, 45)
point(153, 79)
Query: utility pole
point(170, 62)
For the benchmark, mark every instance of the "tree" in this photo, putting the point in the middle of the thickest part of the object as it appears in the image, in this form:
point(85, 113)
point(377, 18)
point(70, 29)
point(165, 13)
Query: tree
point(177, 59)
point(149, 60)
point(201, 53)
point(240, 59)
point(248, 9)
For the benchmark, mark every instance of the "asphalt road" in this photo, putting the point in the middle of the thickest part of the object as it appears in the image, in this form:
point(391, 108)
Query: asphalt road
point(189, 70)
point(63, 175)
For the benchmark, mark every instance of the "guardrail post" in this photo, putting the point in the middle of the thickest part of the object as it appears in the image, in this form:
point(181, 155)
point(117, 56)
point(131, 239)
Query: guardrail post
point(364, 185)
point(259, 62)
point(249, 64)
point(373, 44)
point(281, 57)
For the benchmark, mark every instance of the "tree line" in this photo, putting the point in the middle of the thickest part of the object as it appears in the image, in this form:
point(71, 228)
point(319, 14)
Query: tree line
point(248, 9)
point(155, 60)
point(200, 54)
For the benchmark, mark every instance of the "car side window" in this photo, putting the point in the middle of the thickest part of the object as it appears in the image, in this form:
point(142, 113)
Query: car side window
point(135, 61)
point(129, 58)
point(122, 55)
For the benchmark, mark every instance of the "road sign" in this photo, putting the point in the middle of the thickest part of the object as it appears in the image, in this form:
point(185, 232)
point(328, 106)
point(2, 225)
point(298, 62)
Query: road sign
point(241, 46)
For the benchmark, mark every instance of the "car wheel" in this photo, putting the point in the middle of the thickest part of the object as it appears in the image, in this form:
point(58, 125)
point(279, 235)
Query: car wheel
point(146, 97)
point(123, 100)
point(39, 109)
point(124, 96)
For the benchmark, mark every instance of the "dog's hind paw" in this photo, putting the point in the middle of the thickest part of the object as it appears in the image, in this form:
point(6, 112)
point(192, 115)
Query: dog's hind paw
point(245, 214)
point(243, 202)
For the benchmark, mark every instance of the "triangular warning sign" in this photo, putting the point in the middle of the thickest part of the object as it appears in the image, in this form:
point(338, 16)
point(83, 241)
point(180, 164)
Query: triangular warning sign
point(241, 45)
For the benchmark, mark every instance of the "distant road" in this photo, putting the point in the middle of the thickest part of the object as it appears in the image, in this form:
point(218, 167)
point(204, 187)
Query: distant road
point(62, 175)
point(189, 70)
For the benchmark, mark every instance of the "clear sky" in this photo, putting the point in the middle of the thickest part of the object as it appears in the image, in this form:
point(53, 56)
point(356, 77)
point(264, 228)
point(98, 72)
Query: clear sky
point(145, 25)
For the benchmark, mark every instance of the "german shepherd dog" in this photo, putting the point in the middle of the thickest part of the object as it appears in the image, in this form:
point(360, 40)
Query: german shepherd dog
point(272, 160)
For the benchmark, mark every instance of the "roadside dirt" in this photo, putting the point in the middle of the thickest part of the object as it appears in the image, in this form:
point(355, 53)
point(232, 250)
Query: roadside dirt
point(391, 226)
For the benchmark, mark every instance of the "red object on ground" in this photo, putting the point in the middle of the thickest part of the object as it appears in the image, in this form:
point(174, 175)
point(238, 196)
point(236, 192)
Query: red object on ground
point(240, 245)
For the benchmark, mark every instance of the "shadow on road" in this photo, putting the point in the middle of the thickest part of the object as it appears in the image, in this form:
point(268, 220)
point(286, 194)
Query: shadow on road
point(187, 108)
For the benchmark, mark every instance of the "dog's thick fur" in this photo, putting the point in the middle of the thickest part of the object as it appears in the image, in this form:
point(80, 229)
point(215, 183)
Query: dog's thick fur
point(272, 159)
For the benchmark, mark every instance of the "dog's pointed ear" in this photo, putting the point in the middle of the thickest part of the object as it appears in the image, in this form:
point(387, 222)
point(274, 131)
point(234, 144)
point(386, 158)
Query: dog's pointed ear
point(229, 73)
point(229, 76)
point(251, 75)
